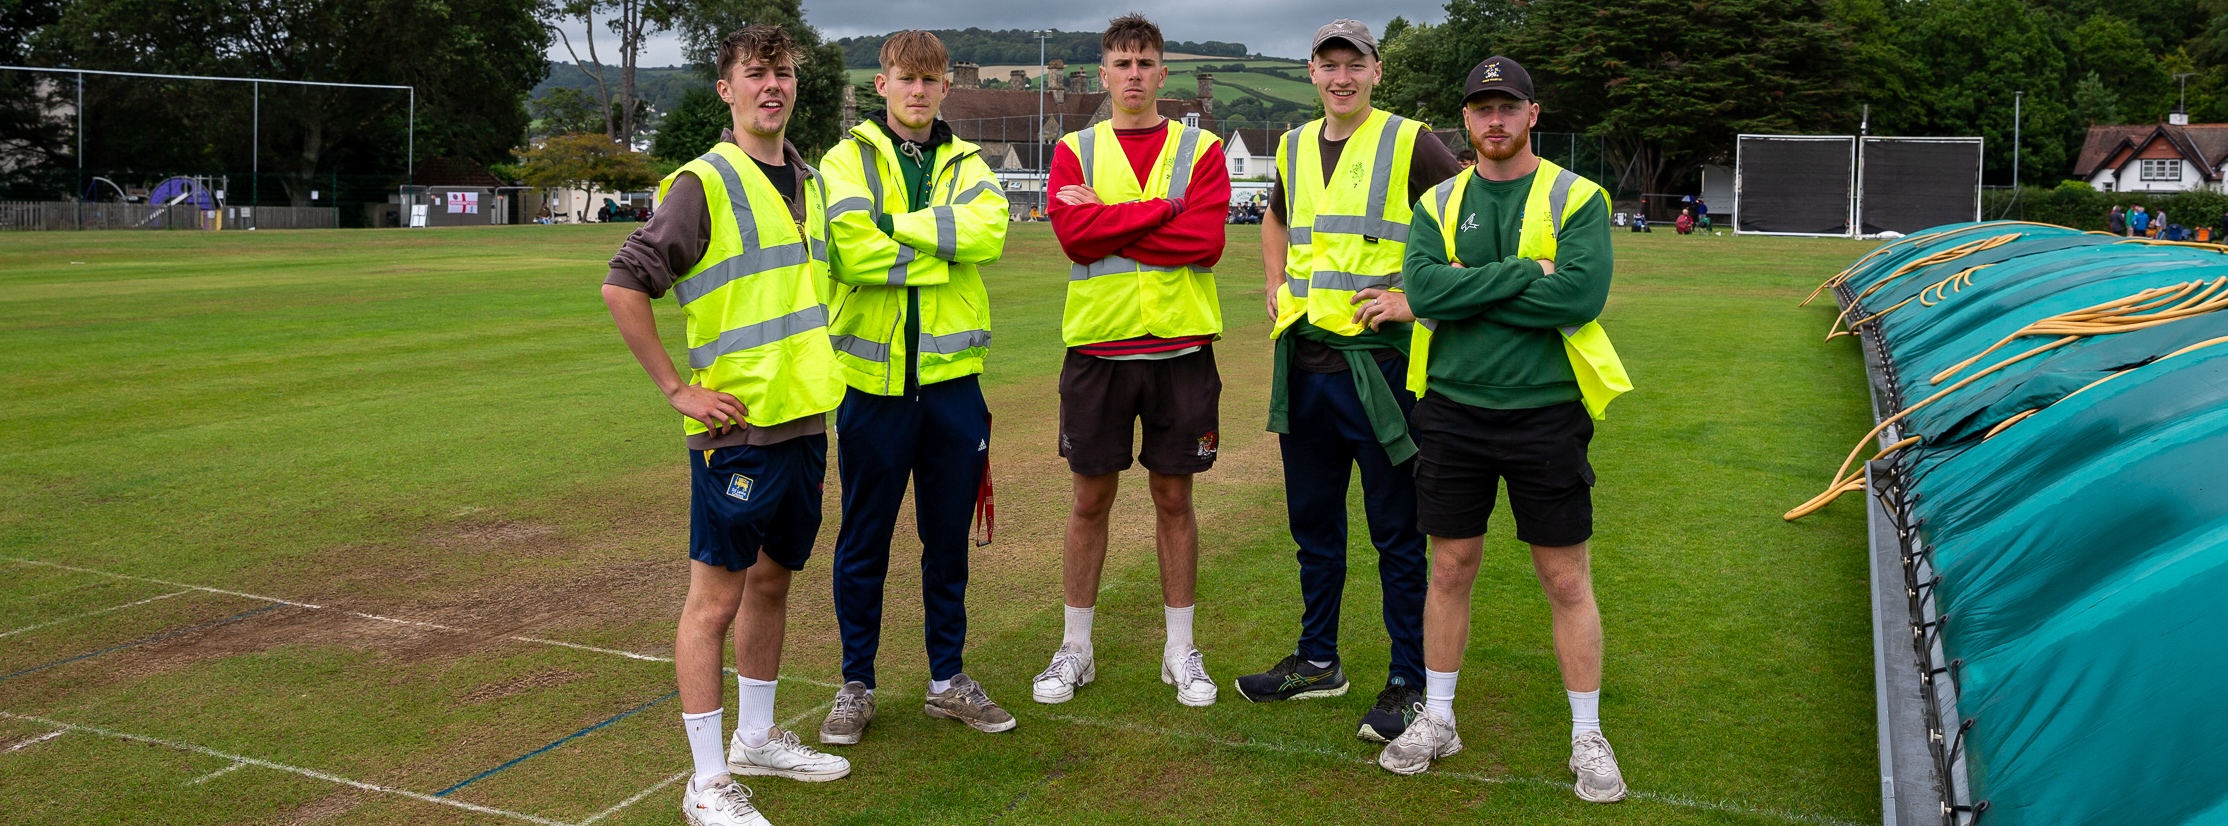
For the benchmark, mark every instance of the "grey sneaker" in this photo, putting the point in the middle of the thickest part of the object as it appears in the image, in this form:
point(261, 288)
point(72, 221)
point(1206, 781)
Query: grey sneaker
point(784, 756)
point(1595, 763)
point(1428, 738)
point(1071, 668)
point(966, 702)
point(854, 708)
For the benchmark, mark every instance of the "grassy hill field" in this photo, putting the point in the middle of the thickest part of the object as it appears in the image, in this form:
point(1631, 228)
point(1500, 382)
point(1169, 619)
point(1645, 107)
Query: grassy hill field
point(384, 526)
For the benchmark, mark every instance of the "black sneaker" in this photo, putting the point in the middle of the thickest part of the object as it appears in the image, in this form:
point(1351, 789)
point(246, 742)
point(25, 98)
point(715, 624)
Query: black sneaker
point(1395, 709)
point(1293, 678)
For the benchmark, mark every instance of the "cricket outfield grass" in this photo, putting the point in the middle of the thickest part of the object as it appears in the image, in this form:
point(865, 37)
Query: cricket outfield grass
point(386, 527)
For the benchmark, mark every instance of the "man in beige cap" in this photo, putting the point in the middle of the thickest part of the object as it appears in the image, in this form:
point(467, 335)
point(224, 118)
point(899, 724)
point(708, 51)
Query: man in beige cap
point(1345, 187)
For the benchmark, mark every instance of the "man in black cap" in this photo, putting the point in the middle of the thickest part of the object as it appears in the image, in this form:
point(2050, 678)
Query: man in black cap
point(1507, 265)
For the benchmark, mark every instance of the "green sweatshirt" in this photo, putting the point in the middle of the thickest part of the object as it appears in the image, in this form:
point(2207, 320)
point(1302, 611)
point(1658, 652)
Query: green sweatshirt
point(1496, 345)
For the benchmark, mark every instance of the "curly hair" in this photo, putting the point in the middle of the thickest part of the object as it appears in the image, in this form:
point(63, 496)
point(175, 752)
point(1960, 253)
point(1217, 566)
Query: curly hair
point(758, 42)
point(1131, 31)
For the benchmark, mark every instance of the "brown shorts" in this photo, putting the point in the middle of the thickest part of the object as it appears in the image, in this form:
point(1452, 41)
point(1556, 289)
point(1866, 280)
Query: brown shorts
point(1101, 400)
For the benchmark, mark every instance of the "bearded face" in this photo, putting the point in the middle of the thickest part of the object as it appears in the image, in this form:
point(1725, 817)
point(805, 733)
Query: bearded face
point(1499, 126)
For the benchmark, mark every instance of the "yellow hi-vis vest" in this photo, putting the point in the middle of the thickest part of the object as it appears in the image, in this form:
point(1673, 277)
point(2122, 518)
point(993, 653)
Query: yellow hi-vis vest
point(1116, 298)
point(1601, 376)
point(757, 321)
point(1350, 233)
point(938, 249)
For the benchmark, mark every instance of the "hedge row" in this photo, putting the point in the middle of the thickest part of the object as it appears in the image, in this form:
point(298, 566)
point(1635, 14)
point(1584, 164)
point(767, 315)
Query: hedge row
point(2074, 204)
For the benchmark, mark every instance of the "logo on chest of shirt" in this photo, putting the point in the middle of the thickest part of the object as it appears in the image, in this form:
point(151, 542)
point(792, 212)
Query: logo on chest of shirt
point(1469, 222)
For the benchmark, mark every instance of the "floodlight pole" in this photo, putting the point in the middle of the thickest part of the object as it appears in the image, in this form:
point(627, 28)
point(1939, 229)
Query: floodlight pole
point(255, 154)
point(81, 150)
point(2015, 96)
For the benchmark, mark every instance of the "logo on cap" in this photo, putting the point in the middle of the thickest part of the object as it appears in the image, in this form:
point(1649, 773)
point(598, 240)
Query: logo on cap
point(1492, 72)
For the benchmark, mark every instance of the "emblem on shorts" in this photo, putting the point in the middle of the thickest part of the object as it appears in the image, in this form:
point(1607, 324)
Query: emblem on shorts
point(1207, 444)
point(739, 487)
point(985, 445)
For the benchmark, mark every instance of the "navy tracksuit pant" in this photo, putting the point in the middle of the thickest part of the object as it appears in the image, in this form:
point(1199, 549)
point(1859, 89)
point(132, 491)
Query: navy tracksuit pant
point(939, 438)
point(1330, 435)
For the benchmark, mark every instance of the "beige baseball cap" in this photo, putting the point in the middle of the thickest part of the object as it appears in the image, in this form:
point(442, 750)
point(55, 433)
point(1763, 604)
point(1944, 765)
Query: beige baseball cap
point(1351, 31)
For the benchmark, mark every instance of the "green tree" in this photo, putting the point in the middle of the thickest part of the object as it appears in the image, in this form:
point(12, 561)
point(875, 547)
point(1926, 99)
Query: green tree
point(34, 146)
point(692, 127)
point(2112, 50)
point(1425, 64)
point(565, 111)
point(586, 161)
point(1972, 57)
point(2094, 103)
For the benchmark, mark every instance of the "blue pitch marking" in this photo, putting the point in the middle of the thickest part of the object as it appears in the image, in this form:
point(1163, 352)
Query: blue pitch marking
point(156, 638)
point(559, 742)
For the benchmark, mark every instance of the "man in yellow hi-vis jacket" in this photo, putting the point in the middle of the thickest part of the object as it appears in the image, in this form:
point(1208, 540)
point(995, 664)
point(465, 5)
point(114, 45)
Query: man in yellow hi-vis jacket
point(1507, 267)
point(740, 240)
point(913, 213)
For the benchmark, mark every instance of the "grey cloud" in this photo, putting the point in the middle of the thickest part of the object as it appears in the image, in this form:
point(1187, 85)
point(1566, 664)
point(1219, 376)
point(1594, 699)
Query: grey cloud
point(1281, 28)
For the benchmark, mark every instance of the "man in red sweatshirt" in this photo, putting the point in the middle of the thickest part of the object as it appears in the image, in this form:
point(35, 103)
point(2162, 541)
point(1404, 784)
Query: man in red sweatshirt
point(1138, 203)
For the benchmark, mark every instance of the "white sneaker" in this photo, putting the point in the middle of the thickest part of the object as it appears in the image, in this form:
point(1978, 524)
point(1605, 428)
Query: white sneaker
point(1429, 738)
point(1595, 763)
point(1188, 674)
point(1071, 668)
point(784, 756)
point(726, 803)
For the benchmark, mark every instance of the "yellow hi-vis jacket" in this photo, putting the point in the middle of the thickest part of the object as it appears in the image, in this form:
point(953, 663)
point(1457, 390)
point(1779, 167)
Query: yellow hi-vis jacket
point(1556, 195)
point(757, 319)
point(1350, 233)
point(1116, 298)
point(939, 249)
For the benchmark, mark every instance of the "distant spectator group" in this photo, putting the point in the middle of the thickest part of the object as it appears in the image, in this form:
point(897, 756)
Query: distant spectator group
point(2138, 221)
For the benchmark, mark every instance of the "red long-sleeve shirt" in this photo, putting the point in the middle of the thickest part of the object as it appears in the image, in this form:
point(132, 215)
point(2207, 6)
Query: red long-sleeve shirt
point(1160, 232)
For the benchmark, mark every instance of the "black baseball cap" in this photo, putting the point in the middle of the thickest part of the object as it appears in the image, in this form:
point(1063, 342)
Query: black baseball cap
point(1498, 74)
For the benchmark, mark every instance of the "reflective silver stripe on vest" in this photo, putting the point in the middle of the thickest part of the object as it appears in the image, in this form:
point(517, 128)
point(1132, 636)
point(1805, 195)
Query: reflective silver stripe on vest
point(1357, 225)
point(1180, 180)
point(838, 208)
point(1445, 192)
point(1301, 235)
point(1351, 282)
point(947, 233)
point(1373, 224)
point(1111, 265)
point(737, 198)
point(873, 168)
point(952, 343)
point(753, 259)
point(968, 197)
point(905, 256)
point(1380, 174)
point(1431, 324)
point(1558, 196)
point(757, 335)
point(1299, 286)
point(1085, 152)
point(820, 250)
point(1292, 170)
point(873, 351)
point(742, 265)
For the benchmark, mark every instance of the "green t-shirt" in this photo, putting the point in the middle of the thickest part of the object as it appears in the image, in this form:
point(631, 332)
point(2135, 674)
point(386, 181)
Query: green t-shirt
point(1496, 345)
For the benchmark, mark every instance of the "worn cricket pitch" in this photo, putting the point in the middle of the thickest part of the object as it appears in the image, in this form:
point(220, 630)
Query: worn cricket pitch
point(386, 527)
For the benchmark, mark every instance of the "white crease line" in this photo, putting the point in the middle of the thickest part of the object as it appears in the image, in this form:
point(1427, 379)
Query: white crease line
point(312, 773)
point(38, 626)
point(215, 774)
point(1316, 751)
point(638, 796)
point(28, 742)
point(163, 582)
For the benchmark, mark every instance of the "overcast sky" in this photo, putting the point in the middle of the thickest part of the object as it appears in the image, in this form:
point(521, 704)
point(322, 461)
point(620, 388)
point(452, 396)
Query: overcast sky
point(1281, 28)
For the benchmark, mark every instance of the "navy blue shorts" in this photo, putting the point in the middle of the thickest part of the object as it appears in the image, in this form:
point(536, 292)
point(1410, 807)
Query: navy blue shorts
point(749, 497)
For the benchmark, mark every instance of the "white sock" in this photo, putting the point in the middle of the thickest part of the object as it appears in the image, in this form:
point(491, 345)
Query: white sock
point(705, 746)
point(1585, 711)
point(754, 710)
point(1320, 663)
point(1438, 692)
point(939, 686)
point(1179, 628)
point(1079, 628)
